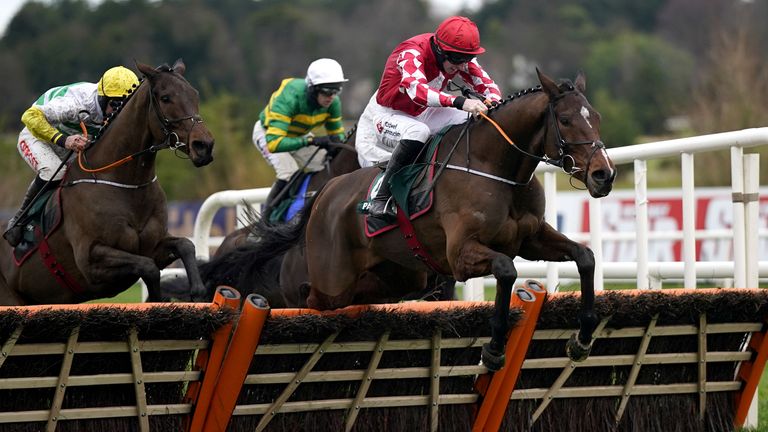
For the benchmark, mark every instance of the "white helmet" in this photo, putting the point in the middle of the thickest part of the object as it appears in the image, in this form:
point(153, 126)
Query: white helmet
point(324, 71)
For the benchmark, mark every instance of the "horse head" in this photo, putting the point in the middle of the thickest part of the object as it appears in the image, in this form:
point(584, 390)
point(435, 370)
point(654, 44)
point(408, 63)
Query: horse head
point(573, 135)
point(176, 104)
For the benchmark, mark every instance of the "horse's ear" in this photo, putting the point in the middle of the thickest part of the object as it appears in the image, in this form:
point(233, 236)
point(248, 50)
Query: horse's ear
point(147, 70)
point(581, 82)
point(179, 67)
point(549, 86)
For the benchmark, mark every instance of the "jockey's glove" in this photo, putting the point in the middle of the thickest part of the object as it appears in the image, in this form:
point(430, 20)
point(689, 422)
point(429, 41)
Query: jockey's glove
point(323, 142)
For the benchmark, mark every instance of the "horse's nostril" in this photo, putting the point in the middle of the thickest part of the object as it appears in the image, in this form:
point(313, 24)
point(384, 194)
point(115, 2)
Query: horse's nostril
point(599, 176)
point(202, 147)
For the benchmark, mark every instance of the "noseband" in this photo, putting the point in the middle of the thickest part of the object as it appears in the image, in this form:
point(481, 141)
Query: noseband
point(562, 147)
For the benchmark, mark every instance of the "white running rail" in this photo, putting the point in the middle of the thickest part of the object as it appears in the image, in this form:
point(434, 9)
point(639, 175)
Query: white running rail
point(745, 270)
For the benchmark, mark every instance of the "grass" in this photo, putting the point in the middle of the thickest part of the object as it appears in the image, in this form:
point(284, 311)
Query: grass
point(131, 295)
point(762, 404)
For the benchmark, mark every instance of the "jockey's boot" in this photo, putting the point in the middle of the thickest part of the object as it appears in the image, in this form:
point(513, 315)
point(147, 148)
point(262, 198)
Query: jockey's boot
point(270, 203)
point(14, 233)
point(404, 154)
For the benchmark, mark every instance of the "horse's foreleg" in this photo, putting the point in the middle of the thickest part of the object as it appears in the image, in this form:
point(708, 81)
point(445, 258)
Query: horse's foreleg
point(503, 268)
point(107, 264)
point(474, 259)
point(551, 245)
point(169, 250)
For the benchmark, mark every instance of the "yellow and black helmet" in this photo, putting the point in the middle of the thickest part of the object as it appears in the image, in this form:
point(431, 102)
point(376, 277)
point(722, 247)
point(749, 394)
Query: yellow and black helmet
point(117, 82)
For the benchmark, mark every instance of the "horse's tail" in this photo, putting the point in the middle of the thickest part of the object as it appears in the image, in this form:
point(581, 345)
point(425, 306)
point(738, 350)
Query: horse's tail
point(252, 265)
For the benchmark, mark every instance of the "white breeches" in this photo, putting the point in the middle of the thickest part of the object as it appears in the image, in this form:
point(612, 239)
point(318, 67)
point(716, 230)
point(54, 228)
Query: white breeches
point(380, 129)
point(287, 163)
point(40, 155)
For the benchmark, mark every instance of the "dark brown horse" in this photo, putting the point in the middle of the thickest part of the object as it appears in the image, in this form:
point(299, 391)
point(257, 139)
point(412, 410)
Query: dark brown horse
point(487, 210)
point(282, 279)
point(114, 227)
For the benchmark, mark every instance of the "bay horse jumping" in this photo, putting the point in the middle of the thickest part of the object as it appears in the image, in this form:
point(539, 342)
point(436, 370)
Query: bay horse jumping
point(488, 208)
point(113, 229)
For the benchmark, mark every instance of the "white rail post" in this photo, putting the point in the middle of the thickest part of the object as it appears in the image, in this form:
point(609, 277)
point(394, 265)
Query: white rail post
point(739, 230)
point(596, 239)
point(474, 290)
point(550, 216)
point(751, 216)
point(204, 219)
point(751, 205)
point(689, 221)
point(641, 223)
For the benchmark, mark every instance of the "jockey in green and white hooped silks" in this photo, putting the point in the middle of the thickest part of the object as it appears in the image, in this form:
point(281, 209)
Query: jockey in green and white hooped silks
point(52, 129)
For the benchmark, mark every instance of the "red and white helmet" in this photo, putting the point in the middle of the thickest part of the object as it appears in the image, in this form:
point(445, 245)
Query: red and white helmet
point(458, 34)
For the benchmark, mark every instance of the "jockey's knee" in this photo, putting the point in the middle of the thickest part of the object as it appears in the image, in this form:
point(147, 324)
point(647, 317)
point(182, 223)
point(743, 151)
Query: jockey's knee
point(416, 132)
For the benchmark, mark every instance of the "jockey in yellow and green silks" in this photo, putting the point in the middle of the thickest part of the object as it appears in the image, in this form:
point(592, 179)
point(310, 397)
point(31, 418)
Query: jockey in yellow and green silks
point(283, 132)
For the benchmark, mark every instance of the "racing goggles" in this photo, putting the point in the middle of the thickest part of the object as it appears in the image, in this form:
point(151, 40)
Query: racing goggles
point(329, 91)
point(458, 58)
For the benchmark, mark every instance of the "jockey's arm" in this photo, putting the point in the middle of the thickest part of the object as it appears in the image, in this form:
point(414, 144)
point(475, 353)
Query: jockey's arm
point(34, 119)
point(415, 85)
point(480, 81)
point(278, 141)
point(334, 125)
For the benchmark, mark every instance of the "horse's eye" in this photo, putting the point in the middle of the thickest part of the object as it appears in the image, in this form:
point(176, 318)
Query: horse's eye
point(165, 99)
point(565, 121)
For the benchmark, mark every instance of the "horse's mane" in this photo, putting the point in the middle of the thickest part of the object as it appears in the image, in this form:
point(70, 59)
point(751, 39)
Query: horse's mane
point(565, 85)
point(111, 118)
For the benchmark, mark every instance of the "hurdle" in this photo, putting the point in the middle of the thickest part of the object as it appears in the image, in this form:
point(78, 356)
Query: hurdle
point(687, 360)
point(109, 367)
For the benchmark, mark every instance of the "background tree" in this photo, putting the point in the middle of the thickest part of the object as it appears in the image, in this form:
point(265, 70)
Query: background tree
point(644, 61)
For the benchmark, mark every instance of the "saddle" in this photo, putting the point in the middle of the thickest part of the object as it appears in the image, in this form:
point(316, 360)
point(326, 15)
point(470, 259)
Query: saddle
point(40, 221)
point(293, 201)
point(411, 189)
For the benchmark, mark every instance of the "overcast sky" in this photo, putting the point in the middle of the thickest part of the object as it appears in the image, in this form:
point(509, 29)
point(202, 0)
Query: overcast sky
point(8, 8)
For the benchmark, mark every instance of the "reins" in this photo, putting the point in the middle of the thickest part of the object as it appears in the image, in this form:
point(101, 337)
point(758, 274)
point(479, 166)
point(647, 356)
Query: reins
point(561, 143)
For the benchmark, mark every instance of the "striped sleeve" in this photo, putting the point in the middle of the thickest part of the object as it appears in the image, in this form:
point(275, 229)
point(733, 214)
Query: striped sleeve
point(479, 79)
point(415, 84)
point(278, 116)
point(333, 124)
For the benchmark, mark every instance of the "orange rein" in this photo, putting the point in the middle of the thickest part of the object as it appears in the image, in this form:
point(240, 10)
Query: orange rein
point(498, 128)
point(104, 168)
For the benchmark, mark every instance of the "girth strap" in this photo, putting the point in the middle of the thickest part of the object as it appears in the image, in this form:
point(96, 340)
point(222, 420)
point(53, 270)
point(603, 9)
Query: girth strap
point(406, 227)
point(56, 269)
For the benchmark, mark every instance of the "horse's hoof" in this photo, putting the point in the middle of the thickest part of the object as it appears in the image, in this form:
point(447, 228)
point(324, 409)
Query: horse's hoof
point(576, 350)
point(492, 359)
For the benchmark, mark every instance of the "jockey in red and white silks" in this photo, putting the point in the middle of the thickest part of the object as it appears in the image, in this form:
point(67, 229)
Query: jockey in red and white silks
point(411, 102)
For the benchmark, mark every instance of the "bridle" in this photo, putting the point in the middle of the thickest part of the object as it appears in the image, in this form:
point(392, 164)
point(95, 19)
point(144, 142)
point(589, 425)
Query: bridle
point(165, 125)
point(562, 146)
